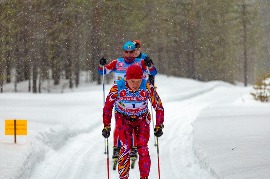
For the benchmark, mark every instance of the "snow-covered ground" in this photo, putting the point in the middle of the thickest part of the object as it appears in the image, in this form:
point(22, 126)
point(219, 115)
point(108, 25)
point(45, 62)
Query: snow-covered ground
point(212, 130)
point(234, 140)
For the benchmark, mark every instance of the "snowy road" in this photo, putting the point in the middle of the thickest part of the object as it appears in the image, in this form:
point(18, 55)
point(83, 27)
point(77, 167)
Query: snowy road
point(82, 156)
point(66, 140)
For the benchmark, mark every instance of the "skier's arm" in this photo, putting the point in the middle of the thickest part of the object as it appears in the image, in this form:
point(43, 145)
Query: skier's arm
point(108, 68)
point(150, 70)
point(156, 103)
point(109, 104)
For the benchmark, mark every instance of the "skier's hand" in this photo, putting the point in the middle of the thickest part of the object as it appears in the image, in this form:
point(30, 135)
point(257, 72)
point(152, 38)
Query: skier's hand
point(148, 61)
point(152, 80)
point(106, 131)
point(102, 61)
point(158, 130)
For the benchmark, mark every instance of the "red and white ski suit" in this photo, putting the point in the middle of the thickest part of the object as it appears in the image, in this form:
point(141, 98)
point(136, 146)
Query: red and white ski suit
point(131, 114)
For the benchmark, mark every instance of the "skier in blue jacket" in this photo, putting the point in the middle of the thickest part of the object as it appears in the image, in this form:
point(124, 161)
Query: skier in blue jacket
point(145, 57)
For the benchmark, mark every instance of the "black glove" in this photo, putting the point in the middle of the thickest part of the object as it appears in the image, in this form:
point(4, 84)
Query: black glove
point(158, 130)
point(148, 61)
point(102, 61)
point(152, 79)
point(106, 131)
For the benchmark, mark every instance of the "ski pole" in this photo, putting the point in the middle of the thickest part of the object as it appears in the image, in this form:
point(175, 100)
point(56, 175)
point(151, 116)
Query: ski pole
point(158, 159)
point(156, 144)
point(103, 85)
point(106, 140)
point(103, 88)
point(108, 163)
point(153, 122)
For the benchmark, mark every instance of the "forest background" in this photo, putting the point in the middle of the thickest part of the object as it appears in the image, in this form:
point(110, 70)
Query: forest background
point(56, 40)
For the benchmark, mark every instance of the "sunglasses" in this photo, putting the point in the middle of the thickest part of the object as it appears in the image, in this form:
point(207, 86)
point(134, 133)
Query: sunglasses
point(132, 51)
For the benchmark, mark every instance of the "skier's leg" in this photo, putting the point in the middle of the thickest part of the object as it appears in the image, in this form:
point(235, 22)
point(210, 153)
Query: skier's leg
point(116, 145)
point(115, 137)
point(134, 139)
point(134, 145)
point(143, 134)
point(125, 135)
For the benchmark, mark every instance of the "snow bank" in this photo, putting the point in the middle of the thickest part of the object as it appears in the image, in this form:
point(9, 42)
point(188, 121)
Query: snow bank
point(24, 157)
point(233, 141)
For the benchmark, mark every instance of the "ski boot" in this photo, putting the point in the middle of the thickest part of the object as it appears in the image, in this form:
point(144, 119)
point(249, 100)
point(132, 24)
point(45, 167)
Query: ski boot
point(115, 156)
point(133, 156)
point(133, 153)
point(115, 152)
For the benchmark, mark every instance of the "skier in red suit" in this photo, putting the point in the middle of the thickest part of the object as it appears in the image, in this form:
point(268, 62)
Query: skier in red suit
point(119, 67)
point(130, 97)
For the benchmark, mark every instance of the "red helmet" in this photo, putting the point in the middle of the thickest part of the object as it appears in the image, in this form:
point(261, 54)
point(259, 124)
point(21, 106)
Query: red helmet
point(137, 44)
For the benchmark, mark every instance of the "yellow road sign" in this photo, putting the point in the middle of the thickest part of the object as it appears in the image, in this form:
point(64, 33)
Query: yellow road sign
point(21, 127)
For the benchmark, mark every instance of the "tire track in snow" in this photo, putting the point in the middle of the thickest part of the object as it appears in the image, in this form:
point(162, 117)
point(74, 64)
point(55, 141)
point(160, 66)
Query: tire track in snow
point(68, 160)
